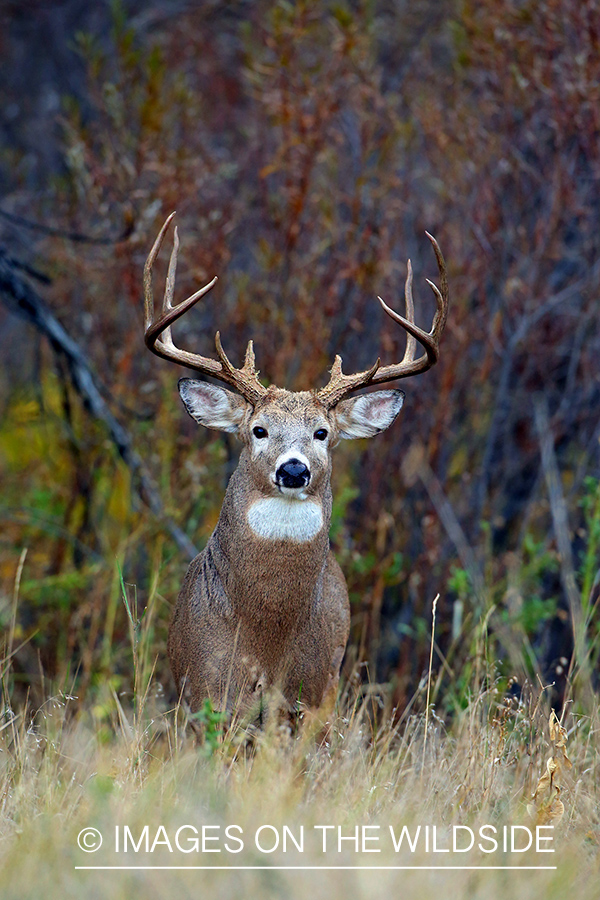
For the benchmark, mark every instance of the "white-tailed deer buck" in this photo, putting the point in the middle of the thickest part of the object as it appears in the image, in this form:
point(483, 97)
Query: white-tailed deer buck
point(265, 604)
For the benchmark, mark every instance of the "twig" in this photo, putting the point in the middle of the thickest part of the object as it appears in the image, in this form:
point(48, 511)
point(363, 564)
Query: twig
point(75, 236)
point(13, 619)
point(558, 509)
point(503, 399)
point(454, 529)
point(22, 300)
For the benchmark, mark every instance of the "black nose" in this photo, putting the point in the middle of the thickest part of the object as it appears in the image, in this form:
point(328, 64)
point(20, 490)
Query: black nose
point(292, 474)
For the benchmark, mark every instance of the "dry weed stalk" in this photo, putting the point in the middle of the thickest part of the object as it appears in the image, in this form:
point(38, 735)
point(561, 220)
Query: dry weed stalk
point(433, 611)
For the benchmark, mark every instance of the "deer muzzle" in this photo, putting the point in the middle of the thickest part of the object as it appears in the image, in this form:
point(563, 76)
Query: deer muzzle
point(293, 473)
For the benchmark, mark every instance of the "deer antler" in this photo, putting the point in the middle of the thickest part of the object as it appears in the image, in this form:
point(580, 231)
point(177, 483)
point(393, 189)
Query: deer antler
point(157, 332)
point(159, 339)
point(340, 385)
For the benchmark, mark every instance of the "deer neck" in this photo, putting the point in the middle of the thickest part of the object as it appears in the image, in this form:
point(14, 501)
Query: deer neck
point(271, 551)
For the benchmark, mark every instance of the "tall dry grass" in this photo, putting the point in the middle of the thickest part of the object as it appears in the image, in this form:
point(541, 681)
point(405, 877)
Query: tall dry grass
point(61, 773)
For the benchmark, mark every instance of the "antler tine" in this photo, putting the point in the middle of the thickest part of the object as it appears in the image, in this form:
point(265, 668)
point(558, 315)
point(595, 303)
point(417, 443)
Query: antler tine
point(158, 337)
point(250, 359)
point(148, 291)
point(411, 343)
point(158, 333)
point(341, 385)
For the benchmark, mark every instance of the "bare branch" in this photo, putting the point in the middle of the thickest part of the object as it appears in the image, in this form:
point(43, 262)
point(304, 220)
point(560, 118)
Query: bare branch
point(22, 300)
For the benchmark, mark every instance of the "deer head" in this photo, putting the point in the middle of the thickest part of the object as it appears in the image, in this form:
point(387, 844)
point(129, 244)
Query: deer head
point(289, 435)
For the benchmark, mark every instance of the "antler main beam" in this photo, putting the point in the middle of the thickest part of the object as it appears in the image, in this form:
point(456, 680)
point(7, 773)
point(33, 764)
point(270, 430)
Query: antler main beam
point(340, 385)
point(158, 337)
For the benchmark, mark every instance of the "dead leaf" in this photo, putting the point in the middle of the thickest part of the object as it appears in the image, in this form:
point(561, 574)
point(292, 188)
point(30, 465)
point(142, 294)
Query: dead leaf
point(546, 807)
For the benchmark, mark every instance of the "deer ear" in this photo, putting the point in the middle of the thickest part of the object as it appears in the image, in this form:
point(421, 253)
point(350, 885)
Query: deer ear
point(212, 406)
point(368, 414)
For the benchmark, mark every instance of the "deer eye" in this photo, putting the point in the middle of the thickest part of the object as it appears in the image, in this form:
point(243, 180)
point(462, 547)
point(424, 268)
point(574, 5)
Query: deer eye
point(321, 434)
point(259, 432)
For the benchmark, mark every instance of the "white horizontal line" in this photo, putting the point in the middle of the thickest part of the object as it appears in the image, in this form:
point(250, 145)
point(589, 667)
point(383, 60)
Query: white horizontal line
point(328, 868)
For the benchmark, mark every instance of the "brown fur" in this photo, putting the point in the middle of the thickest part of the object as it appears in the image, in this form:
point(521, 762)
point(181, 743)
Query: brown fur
point(254, 612)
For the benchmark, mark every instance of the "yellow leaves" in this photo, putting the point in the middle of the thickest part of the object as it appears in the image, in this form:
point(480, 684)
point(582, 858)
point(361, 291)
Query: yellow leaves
point(118, 487)
point(546, 807)
point(269, 170)
point(25, 411)
point(459, 462)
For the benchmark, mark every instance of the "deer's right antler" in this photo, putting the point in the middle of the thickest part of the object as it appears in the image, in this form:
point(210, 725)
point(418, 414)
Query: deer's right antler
point(158, 337)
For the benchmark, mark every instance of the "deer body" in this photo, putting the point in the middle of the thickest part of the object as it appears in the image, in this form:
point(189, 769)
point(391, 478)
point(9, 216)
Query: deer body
point(269, 629)
point(265, 605)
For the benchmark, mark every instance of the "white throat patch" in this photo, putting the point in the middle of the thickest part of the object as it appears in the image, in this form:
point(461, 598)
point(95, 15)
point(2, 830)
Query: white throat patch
point(285, 519)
